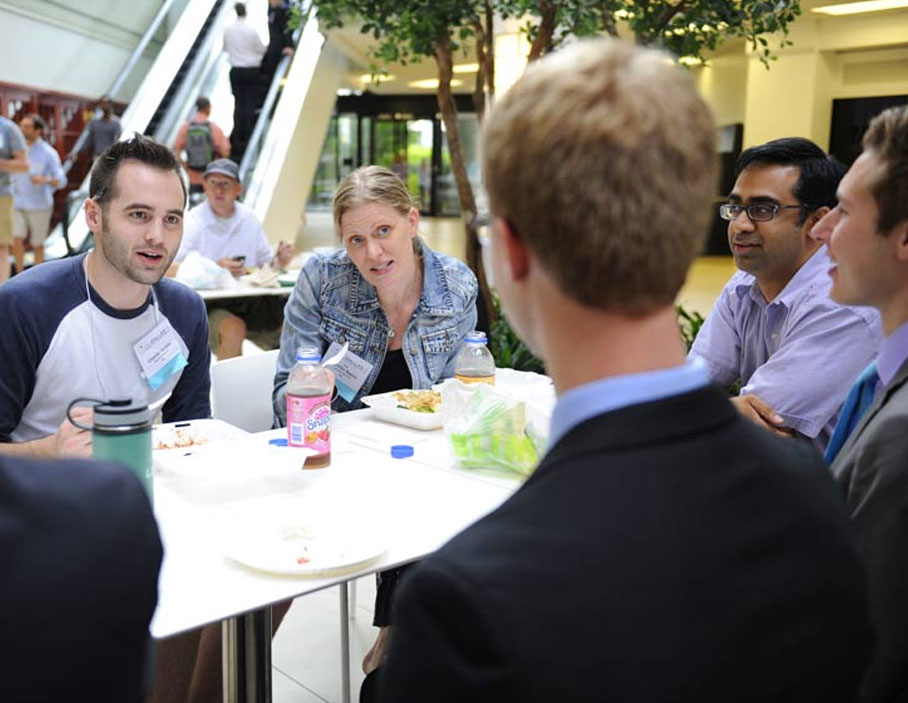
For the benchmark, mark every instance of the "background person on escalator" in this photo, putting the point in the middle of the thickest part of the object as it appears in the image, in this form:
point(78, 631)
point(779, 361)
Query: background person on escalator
point(244, 51)
point(200, 141)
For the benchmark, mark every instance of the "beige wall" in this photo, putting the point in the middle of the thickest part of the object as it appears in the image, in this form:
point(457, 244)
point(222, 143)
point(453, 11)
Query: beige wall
point(291, 189)
point(831, 57)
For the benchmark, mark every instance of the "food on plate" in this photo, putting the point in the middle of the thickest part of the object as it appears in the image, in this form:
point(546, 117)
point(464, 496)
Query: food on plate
point(179, 438)
point(418, 401)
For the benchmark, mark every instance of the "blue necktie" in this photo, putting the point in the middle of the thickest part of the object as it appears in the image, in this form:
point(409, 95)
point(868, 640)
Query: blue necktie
point(856, 403)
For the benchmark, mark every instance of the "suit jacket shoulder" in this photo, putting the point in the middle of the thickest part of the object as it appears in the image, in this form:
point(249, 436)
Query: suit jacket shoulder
point(629, 565)
point(78, 587)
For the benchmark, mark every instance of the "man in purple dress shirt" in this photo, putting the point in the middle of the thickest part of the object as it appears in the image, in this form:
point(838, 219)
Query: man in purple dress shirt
point(867, 237)
point(774, 329)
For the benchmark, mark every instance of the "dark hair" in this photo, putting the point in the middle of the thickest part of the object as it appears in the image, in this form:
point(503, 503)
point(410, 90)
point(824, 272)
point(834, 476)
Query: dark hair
point(202, 103)
point(887, 138)
point(37, 120)
point(140, 148)
point(819, 175)
point(240, 8)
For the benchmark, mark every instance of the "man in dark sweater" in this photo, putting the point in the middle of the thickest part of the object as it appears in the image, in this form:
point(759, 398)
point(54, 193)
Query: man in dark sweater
point(665, 549)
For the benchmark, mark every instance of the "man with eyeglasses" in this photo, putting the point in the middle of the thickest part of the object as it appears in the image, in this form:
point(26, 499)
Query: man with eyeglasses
point(774, 329)
point(229, 233)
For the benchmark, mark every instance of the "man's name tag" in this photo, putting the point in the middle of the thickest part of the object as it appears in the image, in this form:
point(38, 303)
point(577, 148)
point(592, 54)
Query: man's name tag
point(350, 372)
point(159, 354)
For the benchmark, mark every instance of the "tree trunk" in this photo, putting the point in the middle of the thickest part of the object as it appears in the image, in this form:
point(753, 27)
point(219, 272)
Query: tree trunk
point(543, 39)
point(459, 168)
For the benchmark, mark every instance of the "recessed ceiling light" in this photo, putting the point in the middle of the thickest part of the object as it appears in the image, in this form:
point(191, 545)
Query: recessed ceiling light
point(432, 83)
point(377, 78)
point(853, 8)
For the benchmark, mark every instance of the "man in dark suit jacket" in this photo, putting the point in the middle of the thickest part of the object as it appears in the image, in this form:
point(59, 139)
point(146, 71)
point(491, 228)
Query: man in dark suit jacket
point(867, 236)
point(79, 561)
point(665, 549)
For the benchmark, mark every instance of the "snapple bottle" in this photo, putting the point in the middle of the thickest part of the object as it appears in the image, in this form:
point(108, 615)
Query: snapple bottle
point(309, 389)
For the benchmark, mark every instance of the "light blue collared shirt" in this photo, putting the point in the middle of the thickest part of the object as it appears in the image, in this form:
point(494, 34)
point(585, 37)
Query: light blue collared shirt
point(43, 160)
point(800, 352)
point(893, 355)
point(591, 399)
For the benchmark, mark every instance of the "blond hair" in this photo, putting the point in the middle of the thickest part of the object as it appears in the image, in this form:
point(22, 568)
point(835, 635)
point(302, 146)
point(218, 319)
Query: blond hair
point(370, 184)
point(602, 157)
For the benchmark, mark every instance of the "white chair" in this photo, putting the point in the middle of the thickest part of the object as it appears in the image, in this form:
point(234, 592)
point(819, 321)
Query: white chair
point(241, 390)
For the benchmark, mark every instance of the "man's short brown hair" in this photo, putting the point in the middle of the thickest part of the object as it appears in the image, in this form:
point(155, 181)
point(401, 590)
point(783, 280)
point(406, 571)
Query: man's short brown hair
point(887, 138)
point(602, 157)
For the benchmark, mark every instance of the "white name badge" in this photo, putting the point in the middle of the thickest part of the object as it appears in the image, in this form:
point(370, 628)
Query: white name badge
point(159, 354)
point(350, 372)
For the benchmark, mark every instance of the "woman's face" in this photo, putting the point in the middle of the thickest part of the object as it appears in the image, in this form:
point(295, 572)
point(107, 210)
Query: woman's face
point(379, 240)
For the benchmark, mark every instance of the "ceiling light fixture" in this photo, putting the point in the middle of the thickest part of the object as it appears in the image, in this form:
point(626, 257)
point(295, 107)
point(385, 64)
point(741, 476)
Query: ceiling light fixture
point(854, 8)
point(432, 83)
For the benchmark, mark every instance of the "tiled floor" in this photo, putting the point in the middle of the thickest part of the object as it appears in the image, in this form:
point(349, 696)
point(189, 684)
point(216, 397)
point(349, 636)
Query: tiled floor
point(306, 649)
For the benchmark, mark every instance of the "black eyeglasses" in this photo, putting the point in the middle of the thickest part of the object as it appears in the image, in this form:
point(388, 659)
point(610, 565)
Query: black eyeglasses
point(757, 212)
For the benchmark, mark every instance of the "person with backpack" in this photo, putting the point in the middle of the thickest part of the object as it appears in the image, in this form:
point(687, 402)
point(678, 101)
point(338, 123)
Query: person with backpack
point(200, 141)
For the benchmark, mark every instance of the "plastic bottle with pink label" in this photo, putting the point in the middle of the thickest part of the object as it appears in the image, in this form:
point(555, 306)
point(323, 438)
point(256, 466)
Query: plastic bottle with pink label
point(309, 389)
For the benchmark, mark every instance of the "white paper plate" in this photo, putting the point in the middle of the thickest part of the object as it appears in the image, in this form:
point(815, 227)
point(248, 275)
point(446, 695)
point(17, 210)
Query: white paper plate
point(192, 434)
point(385, 407)
point(296, 551)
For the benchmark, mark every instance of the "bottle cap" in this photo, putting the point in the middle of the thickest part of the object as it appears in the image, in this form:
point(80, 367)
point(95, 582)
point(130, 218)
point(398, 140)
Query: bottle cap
point(475, 337)
point(305, 353)
point(278, 441)
point(401, 451)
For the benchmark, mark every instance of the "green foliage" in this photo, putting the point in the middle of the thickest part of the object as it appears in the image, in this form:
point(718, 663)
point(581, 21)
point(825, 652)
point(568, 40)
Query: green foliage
point(689, 323)
point(404, 30)
point(507, 348)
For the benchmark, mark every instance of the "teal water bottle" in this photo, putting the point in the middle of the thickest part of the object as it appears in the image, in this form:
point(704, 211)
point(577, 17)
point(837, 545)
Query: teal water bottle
point(121, 432)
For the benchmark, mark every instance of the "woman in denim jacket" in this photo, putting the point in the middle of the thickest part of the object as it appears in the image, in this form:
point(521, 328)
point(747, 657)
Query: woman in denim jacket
point(400, 306)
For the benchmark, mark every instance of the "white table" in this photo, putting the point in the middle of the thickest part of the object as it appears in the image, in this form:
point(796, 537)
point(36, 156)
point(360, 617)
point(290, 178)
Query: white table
point(417, 503)
point(245, 290)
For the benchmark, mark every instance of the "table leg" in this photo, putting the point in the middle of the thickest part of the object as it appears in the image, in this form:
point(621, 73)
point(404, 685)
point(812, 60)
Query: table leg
point(246, 656)
point(345, 642)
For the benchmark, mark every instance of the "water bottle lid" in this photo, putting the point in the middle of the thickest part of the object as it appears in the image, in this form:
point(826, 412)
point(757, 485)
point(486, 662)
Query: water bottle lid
point(308, 354)
point(401, 451)
point(116, 413)
point(475, 337)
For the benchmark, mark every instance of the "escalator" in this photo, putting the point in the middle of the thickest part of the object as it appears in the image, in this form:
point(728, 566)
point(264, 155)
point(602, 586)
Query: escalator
point(188, 65)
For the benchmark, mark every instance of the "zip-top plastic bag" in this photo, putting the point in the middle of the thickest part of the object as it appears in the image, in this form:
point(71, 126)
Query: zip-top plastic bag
point(488, 427)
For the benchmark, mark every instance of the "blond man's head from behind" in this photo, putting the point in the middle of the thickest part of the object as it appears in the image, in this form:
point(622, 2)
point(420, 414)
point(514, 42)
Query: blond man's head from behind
point(602, 158)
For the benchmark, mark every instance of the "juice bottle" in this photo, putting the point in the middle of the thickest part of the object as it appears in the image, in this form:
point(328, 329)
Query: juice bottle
point(309, 407)
point(474, 362)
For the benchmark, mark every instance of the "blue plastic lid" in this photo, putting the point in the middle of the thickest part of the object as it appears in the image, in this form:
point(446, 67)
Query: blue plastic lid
point(401, 451)
point(475, 337)
point(278, 441)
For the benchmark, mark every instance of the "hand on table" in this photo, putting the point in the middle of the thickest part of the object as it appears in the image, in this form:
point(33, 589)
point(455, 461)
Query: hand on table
point(758, 411)
point(236, 268)
point(72, 441)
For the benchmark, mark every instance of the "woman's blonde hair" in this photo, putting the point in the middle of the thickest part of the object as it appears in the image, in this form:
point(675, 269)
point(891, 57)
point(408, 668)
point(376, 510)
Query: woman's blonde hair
point(370, 184)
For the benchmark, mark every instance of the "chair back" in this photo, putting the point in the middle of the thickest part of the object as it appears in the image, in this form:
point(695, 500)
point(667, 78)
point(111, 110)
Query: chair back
point(241, 390)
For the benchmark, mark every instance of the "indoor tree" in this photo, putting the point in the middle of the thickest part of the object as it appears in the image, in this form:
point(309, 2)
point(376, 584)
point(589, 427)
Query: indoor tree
point(412, 30)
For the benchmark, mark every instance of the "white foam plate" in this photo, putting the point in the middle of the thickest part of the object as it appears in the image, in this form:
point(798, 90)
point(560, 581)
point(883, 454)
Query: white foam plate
point(300, 551)
point(385, 407)
point(189, 435)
